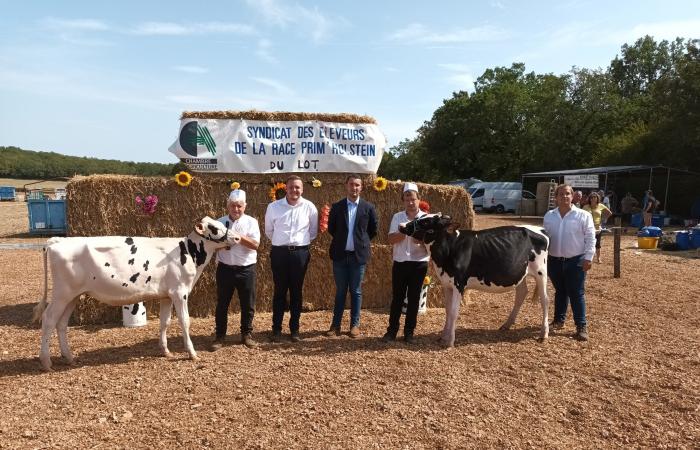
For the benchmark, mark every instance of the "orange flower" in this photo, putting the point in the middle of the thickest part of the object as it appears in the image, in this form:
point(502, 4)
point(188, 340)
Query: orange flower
point(277, 191)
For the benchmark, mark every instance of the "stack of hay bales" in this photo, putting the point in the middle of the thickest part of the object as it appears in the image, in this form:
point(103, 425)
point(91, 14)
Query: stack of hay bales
point(543, 196)
point(104, 205)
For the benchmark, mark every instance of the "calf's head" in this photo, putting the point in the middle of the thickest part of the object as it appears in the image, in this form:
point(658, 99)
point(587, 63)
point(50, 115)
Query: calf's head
point(213, 230)
point(426, 228)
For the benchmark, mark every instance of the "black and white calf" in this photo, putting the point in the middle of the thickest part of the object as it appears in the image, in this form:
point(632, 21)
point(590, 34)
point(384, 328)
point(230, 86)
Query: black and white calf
point(493, 260)
point(120, 271)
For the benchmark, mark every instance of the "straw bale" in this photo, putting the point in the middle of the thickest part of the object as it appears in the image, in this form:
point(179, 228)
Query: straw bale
point(104, 205)
point(272, 116)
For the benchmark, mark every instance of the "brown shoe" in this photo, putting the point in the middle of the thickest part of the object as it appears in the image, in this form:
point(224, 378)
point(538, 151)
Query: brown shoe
point(217, 344)
point(334, 331)
point(248, 341)
point(581, 333)
point(354, 332)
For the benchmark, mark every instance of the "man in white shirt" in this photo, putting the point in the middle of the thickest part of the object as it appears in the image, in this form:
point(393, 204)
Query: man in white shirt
point(291, 223)
point(571, 249)
point(236, 270)
point(409, 268)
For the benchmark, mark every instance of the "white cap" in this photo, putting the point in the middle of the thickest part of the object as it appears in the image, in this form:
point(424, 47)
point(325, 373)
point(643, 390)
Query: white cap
point(237, 196)
point(410, 187)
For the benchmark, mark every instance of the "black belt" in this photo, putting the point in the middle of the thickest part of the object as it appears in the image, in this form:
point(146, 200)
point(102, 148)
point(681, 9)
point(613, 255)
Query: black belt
point(235, 267)
point(291, 248)
point(561, 258)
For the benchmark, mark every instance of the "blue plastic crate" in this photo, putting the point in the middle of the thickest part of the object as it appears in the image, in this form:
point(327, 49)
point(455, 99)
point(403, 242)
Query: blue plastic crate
point(7, 193)
point(47, 216)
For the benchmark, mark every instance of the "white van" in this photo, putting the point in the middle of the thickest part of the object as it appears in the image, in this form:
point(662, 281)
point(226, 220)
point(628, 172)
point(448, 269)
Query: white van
point(504, 200)
point(477, 190)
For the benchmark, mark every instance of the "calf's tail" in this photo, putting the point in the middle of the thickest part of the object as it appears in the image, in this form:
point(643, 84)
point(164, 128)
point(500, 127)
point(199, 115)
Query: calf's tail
point(41, 306)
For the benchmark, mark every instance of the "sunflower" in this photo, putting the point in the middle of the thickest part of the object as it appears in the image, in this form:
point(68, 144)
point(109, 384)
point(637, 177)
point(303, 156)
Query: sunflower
point(277, 191)
point(316, 183)
point(380, 184)
point(426, 280)
point(235, 185)
point(183, 178)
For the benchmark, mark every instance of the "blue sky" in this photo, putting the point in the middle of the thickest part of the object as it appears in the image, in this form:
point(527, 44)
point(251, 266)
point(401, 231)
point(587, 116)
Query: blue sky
point(110, 79)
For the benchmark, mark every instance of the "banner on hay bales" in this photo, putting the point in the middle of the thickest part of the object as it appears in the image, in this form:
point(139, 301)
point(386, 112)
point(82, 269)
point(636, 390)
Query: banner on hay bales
point(254, 146)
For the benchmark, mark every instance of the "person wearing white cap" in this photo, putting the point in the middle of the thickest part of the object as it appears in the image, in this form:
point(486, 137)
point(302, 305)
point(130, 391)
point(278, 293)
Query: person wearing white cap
point(409, 268)
point(236, 270)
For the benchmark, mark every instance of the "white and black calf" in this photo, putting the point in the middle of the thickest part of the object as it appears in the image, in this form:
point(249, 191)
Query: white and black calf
point(119, 271)
point(492, 260)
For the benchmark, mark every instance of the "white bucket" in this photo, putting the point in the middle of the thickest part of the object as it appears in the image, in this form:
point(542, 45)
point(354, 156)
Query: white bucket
point(134, 315)
point(422, 301)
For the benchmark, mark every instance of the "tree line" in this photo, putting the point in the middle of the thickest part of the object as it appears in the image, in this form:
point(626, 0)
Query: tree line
point(644, 108)
point(18, 163)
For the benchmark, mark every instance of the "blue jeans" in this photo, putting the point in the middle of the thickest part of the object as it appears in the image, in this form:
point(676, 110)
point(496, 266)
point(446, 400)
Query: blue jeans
point(568, 279)
point(348, 274)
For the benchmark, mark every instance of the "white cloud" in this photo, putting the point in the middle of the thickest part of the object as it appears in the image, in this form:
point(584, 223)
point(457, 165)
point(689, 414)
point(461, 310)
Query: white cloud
point(281, 14)
point(191, 69)
point(497, 4)
point(278, 86)
point(659, 30)
point(263, 51)
point(176, 29)
point(75, 24)
point(419, 33)
point(391, 69)
point(459, 75)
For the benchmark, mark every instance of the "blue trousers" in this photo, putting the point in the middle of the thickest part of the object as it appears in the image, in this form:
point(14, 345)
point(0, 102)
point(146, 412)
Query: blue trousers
point(348, 274)
point(568, 278)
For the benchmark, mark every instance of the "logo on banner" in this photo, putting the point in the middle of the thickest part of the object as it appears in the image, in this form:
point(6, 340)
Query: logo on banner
point(193, 135)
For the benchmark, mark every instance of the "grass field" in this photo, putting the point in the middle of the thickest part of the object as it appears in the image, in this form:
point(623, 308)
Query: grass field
point(19, 183)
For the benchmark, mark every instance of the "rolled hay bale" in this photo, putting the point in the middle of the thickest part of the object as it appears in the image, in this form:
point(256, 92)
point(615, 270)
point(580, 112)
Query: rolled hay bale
point(281, 116)
point(543, 197)
point(104, 205)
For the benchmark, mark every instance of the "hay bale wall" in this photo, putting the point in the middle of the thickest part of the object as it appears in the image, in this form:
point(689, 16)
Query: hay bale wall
point(103, 205)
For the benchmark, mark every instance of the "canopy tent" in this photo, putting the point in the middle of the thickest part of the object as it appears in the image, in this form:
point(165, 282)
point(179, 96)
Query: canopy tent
point(606, 170)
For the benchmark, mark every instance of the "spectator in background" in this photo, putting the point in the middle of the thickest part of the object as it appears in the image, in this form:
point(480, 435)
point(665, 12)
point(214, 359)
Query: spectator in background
point(650, 205)
point(578, 199)
point(627, 205)
point(600, 214)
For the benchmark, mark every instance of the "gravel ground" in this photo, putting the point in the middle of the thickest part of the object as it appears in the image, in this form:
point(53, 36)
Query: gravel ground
point(636, 383)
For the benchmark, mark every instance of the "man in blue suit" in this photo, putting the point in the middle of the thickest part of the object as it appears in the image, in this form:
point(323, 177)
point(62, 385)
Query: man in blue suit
point(350, 251)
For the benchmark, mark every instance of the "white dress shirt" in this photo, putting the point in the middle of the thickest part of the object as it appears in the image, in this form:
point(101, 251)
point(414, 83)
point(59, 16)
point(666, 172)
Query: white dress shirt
point(240, 255)
point(291, 225)
point(352, 213)
point(408, 249)
point(571, 235)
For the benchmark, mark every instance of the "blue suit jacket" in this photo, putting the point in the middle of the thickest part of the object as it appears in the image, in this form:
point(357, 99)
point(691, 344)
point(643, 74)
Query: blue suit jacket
point(365, 229)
